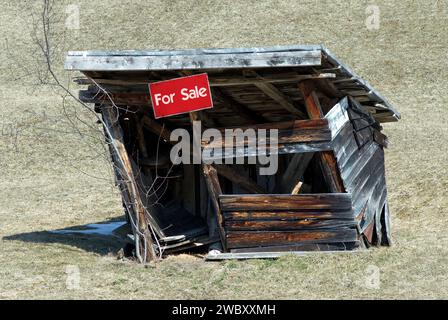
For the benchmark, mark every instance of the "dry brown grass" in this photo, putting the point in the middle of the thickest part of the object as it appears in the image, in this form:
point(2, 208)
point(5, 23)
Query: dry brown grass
point(46, 175)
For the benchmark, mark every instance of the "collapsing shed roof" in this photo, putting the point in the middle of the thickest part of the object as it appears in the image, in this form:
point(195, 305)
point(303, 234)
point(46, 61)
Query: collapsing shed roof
point(315, 59)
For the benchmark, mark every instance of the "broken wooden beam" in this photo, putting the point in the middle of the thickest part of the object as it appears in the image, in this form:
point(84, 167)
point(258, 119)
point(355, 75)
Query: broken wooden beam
point(239, 179)
point(124, 168)
point(327, 158)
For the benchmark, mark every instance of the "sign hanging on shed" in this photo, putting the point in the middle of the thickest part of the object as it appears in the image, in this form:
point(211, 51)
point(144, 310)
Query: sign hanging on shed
point(180, 95)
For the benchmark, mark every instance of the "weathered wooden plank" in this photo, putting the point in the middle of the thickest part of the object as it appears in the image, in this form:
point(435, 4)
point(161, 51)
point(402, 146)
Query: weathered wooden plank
point(241, 239)
point(271, 91)
point(214, 189)
point(188, 244)
point(274, 225)
point(282, 149)
point(373, 206)
point(357, 162)
point(197, 51)
point(337, 117)
point(334, 247)
point(368, 224)
point(345, 144)
point(268, 255)
point(192, 61)
point(333, 201)
point(305, 147)
point(356, 178)
point(288, 214)
point(364, 189)
point(140, 82)
point(283, 137)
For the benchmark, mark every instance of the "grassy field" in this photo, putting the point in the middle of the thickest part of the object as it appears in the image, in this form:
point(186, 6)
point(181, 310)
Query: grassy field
point(54, 176)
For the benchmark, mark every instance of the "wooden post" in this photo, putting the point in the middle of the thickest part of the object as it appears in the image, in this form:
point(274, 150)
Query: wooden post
point(214, 190)
point(126, 177)
point(327, 158)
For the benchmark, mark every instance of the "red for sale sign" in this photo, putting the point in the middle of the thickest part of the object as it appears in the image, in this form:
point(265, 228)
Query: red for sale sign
point(180, 95)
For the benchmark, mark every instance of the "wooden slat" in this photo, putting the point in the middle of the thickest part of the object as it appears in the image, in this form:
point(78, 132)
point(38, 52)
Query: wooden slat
point(241, 239)
point(214, 190)
point(268, 255)
point(275, 225)
point(284, 101)
point(282, 149)
point(357, 179)
point(363, 189)
point(142, 81)
point(284, 137)
point(345, 144)
point(288, 132)
point(356, 163)
point(288, 214)
point(304, 247)
point(192, 61)
point(337, 117)
point(333, 201)
point(373, 204)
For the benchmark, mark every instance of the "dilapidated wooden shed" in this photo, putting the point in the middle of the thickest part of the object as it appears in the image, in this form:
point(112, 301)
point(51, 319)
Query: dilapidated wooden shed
point(329, 192)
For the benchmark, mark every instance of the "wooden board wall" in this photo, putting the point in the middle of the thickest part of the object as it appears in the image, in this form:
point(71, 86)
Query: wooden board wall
point(286, 222)
point(360, 156)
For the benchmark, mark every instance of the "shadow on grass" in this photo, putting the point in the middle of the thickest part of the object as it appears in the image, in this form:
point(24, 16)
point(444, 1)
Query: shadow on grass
point(101, 237)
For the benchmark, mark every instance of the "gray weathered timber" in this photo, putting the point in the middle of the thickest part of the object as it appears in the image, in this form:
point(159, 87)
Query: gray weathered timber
point(90, 62)
point(337, 117)
point(268, 255)
point(282, 149)
point(322, 201)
